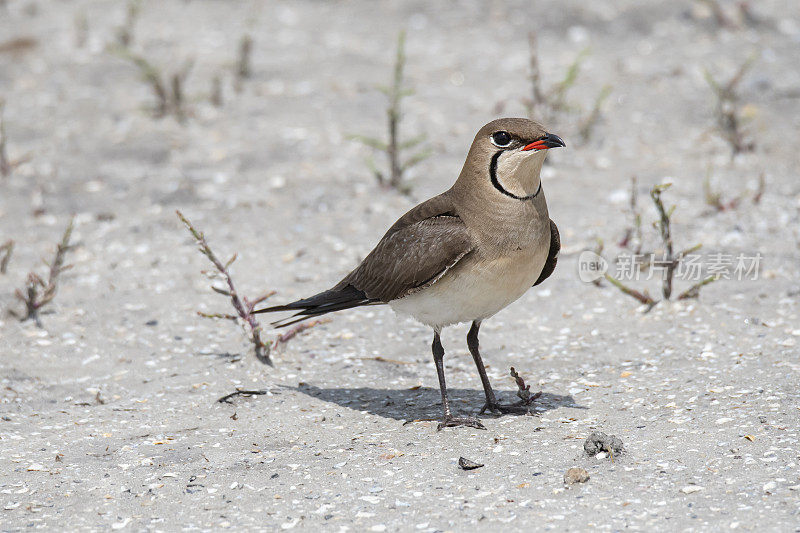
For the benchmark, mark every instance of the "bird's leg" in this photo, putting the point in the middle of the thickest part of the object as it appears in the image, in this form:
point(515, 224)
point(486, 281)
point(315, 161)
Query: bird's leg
point(449, 420)
point(491, 401)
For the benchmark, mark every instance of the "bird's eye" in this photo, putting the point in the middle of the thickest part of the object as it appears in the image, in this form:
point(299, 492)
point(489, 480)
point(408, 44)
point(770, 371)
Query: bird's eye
point(501, 138)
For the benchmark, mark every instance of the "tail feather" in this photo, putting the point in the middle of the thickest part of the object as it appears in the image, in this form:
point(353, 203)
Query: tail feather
point(335, 299)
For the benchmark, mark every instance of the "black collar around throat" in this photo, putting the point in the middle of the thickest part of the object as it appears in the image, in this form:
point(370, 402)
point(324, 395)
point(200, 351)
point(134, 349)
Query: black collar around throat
point(499, 186)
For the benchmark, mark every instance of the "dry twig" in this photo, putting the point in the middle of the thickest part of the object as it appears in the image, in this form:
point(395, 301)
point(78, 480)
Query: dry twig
point(394, 178)
point(284, 338)
point(39, 292)
point(243, 306)
point(240, 392)
point(523, 390)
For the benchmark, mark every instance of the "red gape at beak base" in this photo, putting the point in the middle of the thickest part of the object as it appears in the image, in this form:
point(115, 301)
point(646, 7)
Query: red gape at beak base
point(538, 145)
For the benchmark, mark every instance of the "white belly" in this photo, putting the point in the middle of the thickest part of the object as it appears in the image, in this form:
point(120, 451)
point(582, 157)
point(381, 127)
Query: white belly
point(474, 290)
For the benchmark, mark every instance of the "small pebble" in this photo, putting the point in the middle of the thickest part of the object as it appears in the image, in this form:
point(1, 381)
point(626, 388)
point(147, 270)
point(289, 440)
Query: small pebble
point(466, 464)
point(576, 475)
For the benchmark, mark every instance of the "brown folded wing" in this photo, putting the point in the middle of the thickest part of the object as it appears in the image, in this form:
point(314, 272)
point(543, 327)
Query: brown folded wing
point(416, 251)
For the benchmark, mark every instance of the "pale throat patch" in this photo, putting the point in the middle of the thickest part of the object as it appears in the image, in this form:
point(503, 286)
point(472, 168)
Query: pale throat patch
point(518, 171)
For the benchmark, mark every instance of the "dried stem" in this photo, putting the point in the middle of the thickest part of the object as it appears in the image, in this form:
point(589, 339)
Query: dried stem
point(125, 32)
point(523, 390)
point(240, 392)
point(633, 234)
point(6, 250)
point(762, 185)
point(284, 338)
point(642, 297)
point(243, 306)
point(5, 164)
point(38, 292)
point(169, 99)
point(538, 98)
point(664, 226)
point(728, 109)
point(591, 120)
point(243, 63)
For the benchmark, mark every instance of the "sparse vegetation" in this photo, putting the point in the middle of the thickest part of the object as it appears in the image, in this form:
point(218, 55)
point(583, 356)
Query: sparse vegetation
point(714, 198)
point(738, 18)
point(393, 148)
point(168, 91)
point(588, 124)
point(730, 115)
point(545, 104)
point(242, 305)
point(668, 262)
point(38, 292)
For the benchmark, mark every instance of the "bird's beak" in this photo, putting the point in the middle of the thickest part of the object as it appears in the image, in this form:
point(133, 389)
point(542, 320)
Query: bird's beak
point(550, 140)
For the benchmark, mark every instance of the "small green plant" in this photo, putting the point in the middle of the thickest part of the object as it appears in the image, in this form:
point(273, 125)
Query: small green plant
point(588, 124)
point(38, 292)
point(545, 104)
point(395, 176)
point(168, 91)
point(730, 114)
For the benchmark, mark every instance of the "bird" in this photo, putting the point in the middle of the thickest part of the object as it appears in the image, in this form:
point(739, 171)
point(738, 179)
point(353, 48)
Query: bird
point(461, 256)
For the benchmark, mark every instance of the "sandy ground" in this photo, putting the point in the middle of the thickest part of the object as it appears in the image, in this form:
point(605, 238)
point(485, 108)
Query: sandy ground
point(109, 413)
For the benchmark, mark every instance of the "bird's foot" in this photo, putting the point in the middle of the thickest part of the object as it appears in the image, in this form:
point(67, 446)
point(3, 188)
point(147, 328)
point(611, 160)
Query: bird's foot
point(450, 421)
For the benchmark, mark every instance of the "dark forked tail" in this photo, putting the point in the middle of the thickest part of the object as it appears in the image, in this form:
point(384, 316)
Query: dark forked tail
point(335, 299)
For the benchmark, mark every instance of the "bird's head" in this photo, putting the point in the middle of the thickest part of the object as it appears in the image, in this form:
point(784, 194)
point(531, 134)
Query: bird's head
point(507, 154)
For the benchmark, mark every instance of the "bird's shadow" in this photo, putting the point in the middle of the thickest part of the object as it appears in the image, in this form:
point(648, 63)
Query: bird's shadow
point(424, 403)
